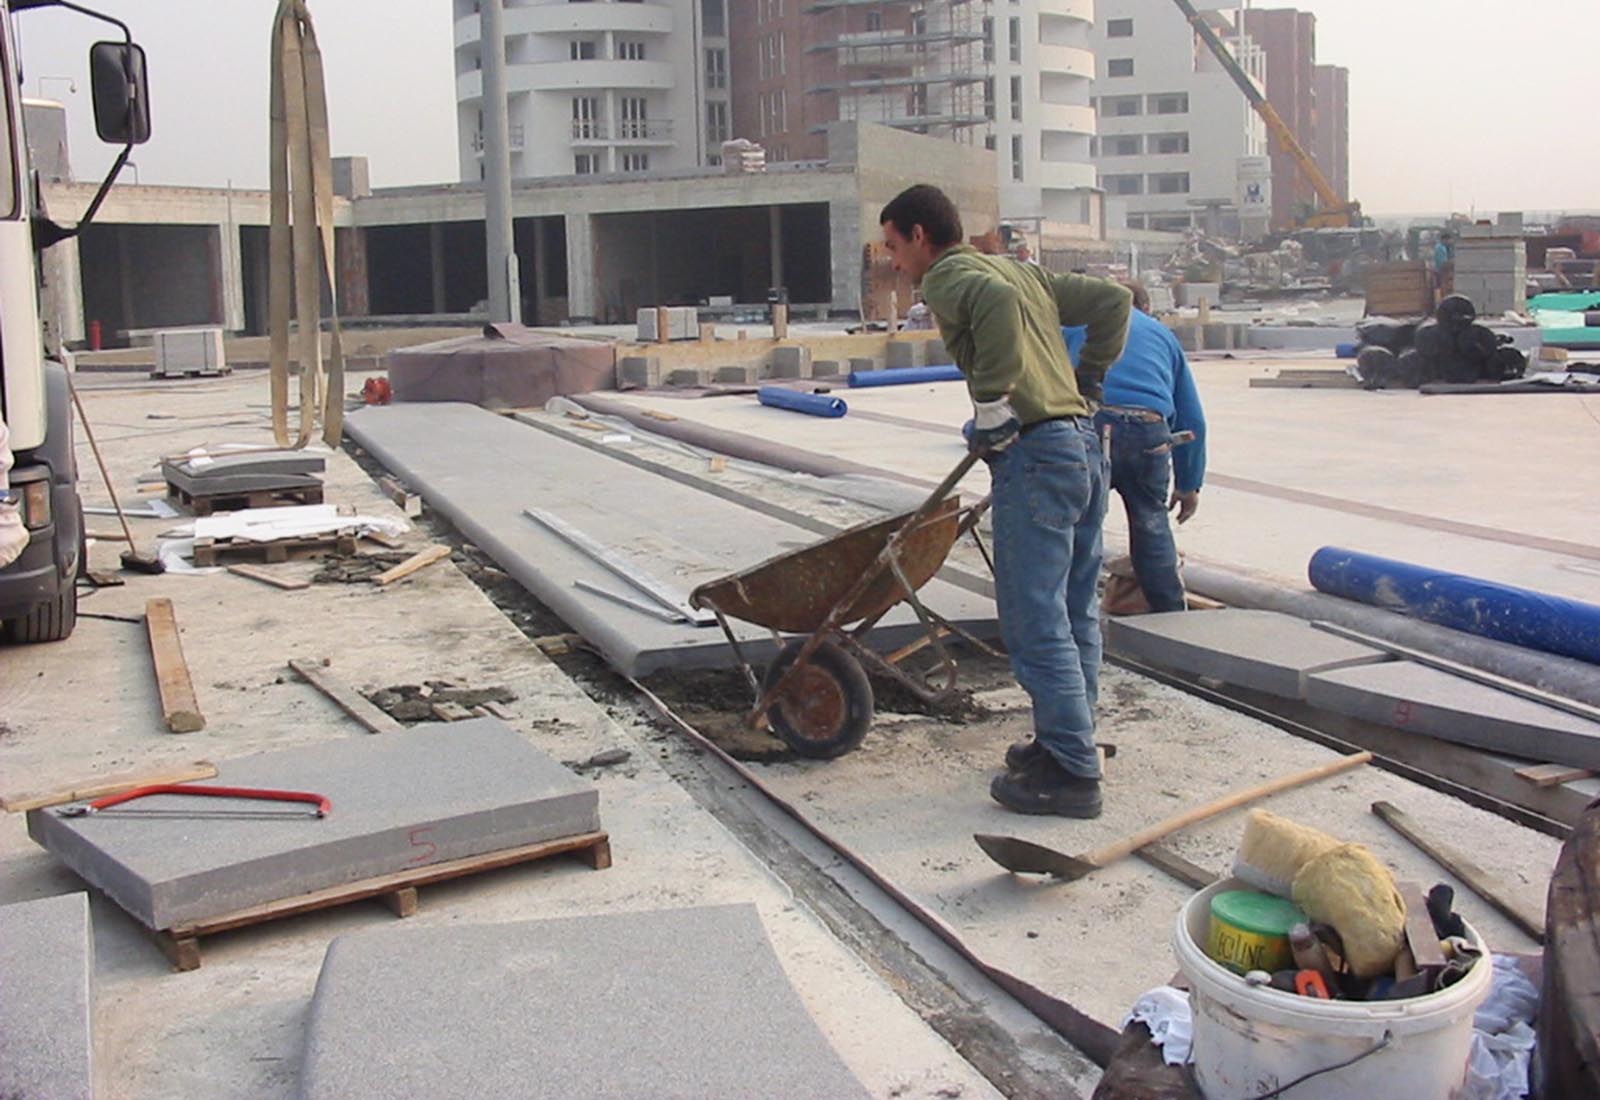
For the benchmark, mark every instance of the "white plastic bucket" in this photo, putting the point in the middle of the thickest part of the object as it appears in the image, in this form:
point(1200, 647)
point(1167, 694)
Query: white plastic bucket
point(1250, 1040)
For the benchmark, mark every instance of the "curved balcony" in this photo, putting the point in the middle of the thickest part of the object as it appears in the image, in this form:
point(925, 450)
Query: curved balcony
point(1067, 9)
point(567, 19)
point(561, 76)
point(655, 131)
point(1067, 118)
point(1066, 175)
point(1065, 60)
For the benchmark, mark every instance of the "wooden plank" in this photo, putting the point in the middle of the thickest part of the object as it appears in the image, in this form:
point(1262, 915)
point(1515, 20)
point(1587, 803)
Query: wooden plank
point(267, 576)
point(386, 541)
point(1190, 874)
point(450, 712)
point(407, 501)
point(100, 786)
point(349, 700)
point(179, 708)
point(593, 848)
point(1420, 934)
point(1553, 775)
point(1479, 881)
point(420, 560)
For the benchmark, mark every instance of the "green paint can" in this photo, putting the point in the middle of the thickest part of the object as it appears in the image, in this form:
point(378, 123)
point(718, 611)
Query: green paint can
point(1250, 931)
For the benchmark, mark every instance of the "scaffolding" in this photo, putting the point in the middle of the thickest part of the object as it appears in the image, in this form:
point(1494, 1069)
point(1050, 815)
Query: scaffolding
point(926, 66)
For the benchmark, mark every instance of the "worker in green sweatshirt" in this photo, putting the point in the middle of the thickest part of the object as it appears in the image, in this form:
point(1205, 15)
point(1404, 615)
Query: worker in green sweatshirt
point(1033, 424)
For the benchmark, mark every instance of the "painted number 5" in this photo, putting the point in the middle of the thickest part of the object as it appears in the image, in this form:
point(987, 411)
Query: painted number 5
point(426, 849)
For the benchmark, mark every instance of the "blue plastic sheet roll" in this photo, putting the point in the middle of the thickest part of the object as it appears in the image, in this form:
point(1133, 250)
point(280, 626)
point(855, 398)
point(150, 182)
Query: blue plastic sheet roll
point(812, 404)
point(905, 376)
point(1534, 620)
point(1346, 350)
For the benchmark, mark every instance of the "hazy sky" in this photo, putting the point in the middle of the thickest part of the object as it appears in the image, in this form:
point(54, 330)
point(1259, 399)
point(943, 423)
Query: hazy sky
point(1471, 104)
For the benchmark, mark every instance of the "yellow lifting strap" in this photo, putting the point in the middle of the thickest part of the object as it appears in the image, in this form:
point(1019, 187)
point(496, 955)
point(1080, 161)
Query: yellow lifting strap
point(299, 155)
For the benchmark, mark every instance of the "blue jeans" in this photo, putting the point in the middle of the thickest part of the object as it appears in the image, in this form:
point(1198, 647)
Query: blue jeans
point(1049, 502)
point(1141, 473)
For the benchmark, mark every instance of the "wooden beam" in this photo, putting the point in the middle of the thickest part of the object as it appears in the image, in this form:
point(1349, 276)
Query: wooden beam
point(267, 576)
point(179, 707)
point(1479, 881)
point(1552, 775)
point(349, 700)
point(99, 787)
point(420, 560)
point(408, 502)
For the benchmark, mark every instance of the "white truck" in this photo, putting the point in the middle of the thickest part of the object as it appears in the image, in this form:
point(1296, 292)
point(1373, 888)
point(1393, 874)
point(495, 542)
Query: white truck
point(38, 591)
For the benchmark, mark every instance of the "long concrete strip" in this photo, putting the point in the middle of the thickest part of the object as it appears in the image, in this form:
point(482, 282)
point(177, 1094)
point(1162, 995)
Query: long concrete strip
point(432, 793)
point(482, 471)
point(1262, 650)
point(676, 1004)
point(1426, 700)
point(46, 999)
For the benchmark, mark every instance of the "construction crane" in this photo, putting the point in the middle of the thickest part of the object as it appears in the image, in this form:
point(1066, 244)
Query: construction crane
point(1334, 211)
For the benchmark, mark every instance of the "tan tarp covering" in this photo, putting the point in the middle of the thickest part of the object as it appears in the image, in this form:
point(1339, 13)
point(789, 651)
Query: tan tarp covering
point(515, 368)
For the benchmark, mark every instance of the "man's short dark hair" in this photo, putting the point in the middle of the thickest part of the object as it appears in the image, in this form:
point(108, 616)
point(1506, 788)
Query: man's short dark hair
point(927, 206)
point(1141, 296)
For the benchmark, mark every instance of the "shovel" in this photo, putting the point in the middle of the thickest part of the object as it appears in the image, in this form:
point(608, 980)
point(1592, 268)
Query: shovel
point(1027, 858)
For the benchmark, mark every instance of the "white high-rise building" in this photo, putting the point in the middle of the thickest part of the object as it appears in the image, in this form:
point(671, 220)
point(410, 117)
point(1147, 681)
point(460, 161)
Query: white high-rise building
point(599, 86)
point(1043, 53)
point(1178, 143)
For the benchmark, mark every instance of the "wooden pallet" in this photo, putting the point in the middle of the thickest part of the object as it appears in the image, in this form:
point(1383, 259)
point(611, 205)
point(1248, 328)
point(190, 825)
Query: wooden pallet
point(225, 551)
point(205, 504)
point(398, 891)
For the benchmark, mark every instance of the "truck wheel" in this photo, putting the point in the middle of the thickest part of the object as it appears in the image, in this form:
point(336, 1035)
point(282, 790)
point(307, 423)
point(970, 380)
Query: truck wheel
point(51, 621)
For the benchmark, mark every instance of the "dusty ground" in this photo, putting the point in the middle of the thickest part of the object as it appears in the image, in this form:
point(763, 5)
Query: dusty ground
point(234, 1027)
point(909, 800)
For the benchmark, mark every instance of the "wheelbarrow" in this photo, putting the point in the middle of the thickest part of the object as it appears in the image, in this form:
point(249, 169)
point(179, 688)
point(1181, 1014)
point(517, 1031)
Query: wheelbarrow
point(815, 695)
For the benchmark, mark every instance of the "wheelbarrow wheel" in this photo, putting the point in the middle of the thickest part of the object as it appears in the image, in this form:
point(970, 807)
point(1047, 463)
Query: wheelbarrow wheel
point(826, 708)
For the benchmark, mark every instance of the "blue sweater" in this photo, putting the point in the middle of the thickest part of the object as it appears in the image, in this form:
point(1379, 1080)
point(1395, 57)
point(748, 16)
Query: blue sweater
point(1154, 374)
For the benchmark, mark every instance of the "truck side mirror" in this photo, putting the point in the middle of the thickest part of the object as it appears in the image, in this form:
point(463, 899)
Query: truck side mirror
point(121, 93)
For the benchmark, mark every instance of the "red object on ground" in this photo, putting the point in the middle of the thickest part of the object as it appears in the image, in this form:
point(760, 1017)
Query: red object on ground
point(1309, 983)
point(266, 794)
point(377, 391)
point(94, 336)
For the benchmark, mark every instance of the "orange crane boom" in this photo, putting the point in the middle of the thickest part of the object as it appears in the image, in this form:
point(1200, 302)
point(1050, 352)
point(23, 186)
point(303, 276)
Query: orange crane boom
point(1333, 209)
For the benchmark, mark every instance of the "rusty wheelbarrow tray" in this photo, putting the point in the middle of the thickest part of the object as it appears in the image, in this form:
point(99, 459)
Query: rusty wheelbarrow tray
point(815, 694)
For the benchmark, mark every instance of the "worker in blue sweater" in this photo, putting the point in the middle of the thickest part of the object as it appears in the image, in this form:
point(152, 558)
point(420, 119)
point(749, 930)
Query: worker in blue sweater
point(1150, 397)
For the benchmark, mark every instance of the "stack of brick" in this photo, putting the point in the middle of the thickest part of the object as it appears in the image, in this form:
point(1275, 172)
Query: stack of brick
point(1491, 268)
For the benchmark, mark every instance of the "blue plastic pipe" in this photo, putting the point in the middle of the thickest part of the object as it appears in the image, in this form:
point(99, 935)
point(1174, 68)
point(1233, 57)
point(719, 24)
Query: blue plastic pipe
point(812, 404)
point(905, 376)
point(1533, 620)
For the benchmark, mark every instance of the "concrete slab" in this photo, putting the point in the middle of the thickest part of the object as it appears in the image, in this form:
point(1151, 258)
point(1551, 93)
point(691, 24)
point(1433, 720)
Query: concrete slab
point(681, 1003)
point(46, 1006)
point(480, 471)
point(1426, 700)
point(1262, 650)
point(433, 793)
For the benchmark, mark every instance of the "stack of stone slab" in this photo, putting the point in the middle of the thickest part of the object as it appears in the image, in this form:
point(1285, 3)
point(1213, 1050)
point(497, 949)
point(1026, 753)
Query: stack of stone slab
point(675, 1005)
point(1280, 655)
point(401, 801)
point(46, 999)
point(207, 478)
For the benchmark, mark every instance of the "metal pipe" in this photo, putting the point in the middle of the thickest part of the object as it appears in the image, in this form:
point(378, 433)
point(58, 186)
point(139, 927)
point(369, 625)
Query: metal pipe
point(503, 297)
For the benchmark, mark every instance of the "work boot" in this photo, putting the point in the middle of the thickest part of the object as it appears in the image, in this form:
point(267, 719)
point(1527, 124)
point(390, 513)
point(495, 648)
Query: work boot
point(1022, 753)
point(1045, 787)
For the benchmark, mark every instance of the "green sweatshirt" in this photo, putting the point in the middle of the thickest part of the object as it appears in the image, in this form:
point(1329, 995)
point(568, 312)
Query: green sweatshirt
point(1001, 320)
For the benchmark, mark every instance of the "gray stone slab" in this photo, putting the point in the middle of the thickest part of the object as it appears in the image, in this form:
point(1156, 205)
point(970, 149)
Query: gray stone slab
point(904, 353)
point(480, 471)
point(825, 368)
point(683, 1004)
point(1429, 701)
point(1262, 650)
point(245, 473)
point(432, 793)
point(46, 1002)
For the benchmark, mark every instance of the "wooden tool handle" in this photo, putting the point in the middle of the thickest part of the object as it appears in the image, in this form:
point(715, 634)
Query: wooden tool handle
point(1127, 846)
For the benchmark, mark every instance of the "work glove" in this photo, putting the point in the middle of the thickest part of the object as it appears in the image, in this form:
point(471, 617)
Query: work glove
point(994, 427)
point(1187, 505)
